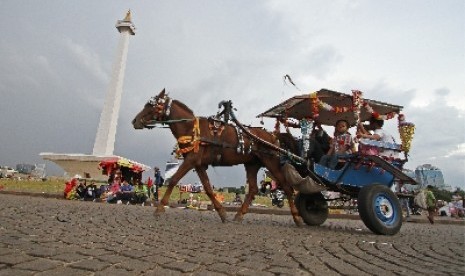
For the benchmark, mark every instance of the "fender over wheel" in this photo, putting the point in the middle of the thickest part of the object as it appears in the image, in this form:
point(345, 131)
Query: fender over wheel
point(380, 209)
point(313, 208)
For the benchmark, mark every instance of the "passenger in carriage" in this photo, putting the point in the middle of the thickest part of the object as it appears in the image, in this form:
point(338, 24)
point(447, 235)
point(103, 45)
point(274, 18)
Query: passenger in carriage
point(341, 145)
point(319, 139)
point(379, 134)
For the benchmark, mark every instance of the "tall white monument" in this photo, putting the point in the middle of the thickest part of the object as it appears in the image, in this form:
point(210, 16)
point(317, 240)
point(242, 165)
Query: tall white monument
point(87, 165)
point(106, 133)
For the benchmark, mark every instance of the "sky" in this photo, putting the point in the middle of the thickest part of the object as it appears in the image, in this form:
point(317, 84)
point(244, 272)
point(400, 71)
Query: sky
point(56, 59)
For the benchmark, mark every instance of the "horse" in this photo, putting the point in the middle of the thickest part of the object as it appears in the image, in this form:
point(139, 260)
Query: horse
point(203, 142)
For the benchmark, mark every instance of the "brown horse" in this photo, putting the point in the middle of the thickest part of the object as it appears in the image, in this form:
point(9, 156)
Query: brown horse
point(202, 143)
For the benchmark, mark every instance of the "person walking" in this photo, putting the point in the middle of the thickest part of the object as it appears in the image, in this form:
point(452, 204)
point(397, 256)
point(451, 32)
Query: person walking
point(158, 182)
point(431, 203)
point(404, 201)
point(149, 187)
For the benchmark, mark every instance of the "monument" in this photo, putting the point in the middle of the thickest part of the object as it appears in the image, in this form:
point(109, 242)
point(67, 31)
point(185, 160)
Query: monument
point(88, 165)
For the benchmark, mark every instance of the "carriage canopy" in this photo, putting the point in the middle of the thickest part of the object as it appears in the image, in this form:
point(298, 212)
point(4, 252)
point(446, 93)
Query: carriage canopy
point(327, 107)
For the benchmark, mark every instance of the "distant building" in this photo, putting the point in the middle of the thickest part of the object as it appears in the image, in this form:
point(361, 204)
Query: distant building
point(25, 168)
point(428, 174)
point(36, 170)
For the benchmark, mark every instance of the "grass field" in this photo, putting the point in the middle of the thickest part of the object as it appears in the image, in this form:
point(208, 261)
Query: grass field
point(56, 186)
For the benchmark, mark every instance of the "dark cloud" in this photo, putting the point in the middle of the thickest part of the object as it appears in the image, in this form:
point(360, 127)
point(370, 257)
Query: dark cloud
point(55, 65)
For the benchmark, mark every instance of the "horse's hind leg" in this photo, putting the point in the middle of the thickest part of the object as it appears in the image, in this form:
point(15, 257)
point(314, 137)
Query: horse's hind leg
point(275, 170)
point(251, 172)
point(202, 173)
point(182, 170)
point(290, 199)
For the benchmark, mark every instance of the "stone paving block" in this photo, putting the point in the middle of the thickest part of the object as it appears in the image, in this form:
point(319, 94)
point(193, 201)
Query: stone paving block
point(184, 267)
point(113, 271)
point(134, 253)
point(279, 270)
point(160, 271)
point(90, 265)
point(202, 258)
point(248, 272)
point(204, 272)
point(43, 252)
point(253, 264)
point(224, 268)
point(38, 264)
point(6, 251)
point(13, 259)
point(16, 272)
point(69, 257)
point(65, 271)
point(158, 259)
point(112, 259)
point(94, 252)
point(136, 265)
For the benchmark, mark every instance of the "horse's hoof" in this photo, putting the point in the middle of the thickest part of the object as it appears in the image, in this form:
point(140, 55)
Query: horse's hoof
point(222, 214)
point(299, 222)
point(160, 210)
point(238, 218)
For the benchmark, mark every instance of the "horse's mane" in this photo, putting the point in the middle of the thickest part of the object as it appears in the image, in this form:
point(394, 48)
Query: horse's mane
point(184, 106)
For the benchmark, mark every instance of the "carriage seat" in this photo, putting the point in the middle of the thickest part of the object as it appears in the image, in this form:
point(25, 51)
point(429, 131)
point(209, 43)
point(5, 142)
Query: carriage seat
point(374, 147)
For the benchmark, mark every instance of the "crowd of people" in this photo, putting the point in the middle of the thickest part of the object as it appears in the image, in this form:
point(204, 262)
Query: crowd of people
point(117, 190)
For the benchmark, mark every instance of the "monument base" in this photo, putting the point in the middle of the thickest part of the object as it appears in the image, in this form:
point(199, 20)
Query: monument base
point(87, 166)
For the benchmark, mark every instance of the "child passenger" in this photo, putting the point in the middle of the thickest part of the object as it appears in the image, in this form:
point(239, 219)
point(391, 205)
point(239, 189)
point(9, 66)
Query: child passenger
point(341, 145)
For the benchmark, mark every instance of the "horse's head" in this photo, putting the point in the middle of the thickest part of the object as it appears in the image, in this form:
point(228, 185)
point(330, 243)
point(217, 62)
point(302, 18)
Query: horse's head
point(157, 109)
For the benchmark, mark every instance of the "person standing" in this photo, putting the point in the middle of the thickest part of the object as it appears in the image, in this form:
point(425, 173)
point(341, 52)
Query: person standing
point(158, 182)
point(431, 203)
point(149, 187)
point(404, 201)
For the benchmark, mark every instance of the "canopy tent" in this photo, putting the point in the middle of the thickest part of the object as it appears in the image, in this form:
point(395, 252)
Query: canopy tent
point(129, 169)
point(87, 166)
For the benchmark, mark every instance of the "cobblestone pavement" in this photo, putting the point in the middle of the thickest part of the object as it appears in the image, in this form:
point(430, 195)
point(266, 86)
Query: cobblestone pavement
point(40, 236)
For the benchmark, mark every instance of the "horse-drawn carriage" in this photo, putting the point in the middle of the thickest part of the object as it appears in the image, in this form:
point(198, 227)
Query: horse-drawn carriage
point(367, 175)
point(222, 140)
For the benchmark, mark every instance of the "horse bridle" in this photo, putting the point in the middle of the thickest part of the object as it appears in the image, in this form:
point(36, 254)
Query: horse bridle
point(161, 107)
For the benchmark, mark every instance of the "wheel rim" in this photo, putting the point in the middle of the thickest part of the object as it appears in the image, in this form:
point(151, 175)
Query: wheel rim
point(384, 209)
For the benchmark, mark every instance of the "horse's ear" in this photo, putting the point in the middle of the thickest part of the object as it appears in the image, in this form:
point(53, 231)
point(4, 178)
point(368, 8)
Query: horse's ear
point(162, 93)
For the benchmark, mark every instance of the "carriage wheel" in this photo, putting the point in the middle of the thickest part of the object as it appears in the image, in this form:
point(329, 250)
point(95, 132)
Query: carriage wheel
point(380, 209)
point(313, 208)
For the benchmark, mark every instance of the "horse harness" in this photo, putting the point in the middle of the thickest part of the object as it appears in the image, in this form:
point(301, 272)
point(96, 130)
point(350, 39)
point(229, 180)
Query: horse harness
point(188, 143)
point(193, 142)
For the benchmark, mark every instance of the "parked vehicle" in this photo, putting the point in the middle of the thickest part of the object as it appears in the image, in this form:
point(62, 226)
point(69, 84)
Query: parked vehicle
point(7, 172)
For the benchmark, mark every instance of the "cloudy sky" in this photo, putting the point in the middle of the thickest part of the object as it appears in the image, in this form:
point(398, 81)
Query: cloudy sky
point(56, 59)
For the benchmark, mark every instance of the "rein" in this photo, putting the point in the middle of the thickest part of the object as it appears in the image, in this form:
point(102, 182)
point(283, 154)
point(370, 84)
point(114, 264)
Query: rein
point(266, 143)
point(167, 122)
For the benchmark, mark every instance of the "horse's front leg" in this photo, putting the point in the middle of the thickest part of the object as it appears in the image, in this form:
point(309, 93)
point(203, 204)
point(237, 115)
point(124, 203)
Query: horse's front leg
point(184, 168)
point(251, 173)
point(202, 173)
